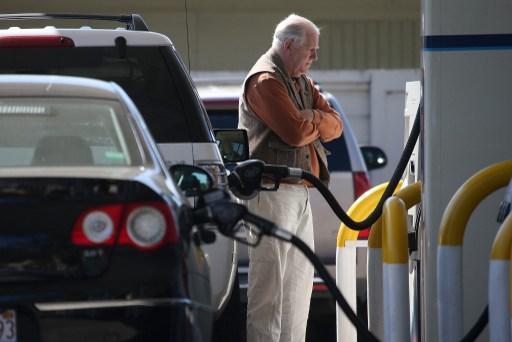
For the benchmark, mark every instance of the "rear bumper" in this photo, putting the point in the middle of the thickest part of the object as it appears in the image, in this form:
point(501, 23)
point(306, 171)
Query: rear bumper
point(162, 319)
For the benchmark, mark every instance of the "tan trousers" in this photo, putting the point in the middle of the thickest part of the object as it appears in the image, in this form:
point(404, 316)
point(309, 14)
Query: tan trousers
point(280, 276)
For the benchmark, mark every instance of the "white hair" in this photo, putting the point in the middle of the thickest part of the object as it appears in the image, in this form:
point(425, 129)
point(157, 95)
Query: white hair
point(292, 27)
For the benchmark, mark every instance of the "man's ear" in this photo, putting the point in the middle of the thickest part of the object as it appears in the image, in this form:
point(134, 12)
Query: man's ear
point(288, 43)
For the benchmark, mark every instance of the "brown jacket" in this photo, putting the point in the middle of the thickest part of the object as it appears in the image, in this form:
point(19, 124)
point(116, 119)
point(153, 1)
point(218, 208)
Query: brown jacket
point(270, 111)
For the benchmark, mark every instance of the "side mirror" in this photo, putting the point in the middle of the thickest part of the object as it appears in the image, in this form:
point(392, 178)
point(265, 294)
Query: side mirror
point(192, 180)
point(374, 157)
point(233, 144)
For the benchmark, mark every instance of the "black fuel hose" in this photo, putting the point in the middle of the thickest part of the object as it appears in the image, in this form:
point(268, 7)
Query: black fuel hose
point(397, 175)
point(226, 214)
point(479, 326)
point(217, 209)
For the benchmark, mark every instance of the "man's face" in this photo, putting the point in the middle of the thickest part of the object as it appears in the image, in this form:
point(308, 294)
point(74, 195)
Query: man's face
point(300, 57)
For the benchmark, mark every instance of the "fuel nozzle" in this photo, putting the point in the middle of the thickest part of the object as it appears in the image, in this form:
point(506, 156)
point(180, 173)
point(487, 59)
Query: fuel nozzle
point(245, 181)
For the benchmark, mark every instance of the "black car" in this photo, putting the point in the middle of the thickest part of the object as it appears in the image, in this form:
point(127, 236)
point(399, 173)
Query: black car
point(96, 239)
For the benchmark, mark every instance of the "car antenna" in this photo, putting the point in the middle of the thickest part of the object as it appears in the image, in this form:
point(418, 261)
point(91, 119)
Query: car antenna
point(188, 42)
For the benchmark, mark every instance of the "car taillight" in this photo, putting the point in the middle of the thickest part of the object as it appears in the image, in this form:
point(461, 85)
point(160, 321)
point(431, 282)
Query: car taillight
point(35, 41)
point(361, 185)
point(320, 288)
point(97, 226)
point(144, 225)
point(148, 226)
point(217, 171)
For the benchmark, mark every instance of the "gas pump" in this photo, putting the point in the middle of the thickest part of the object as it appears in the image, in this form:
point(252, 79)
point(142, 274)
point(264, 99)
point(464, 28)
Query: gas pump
point(466, 62)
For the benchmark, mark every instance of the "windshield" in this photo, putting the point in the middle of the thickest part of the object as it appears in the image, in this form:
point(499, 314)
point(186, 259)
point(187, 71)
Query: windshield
point(65, 132)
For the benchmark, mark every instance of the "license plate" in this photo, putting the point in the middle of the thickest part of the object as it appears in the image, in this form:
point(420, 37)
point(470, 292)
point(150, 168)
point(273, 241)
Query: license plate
point(8, 326)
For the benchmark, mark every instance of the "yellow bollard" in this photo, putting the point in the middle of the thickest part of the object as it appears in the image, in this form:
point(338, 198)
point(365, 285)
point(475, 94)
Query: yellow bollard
point(410, 195)
point(395, 258)
point(499, 284)
point(360, 210)
point(450, 239)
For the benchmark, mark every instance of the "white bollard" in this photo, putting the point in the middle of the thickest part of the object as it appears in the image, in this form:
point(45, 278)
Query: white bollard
point(395, 258)
point(374, 284)
point(499, 284)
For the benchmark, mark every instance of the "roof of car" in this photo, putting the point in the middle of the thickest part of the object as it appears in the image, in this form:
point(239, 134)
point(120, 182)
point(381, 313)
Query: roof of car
point(87, 36)
point(113, 172)
point(132, 21)
point(51, 85)
point(219, 92)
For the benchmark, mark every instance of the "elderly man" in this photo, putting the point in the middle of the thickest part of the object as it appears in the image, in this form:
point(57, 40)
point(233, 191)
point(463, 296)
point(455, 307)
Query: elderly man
point(286, 119)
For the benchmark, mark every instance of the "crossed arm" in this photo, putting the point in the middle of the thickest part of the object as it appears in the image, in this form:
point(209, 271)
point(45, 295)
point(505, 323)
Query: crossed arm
point(269, 100)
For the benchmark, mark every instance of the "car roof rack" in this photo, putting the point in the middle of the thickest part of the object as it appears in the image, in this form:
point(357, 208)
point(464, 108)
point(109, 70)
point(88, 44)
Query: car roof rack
point(133, 21)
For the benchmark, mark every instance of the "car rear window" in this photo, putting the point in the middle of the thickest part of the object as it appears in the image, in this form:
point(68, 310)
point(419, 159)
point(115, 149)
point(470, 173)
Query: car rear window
point(65, 132)
point(338, 160)
point(152, 76)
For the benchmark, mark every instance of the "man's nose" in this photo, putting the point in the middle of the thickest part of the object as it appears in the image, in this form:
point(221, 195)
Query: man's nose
point(314, 55)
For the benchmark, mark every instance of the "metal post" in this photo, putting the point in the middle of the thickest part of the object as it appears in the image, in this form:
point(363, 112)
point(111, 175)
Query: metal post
point(450, 239)
point(395, 261)
point(499, 284)
point(411, 195)
point(374, 281)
